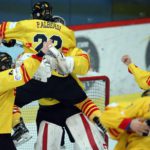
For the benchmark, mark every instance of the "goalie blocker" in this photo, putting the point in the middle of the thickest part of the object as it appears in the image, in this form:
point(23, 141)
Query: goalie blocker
point(63, 65)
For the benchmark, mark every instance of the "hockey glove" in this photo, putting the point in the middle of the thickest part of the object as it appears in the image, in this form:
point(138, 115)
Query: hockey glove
point(21, 58)
point(147, 133)
point(52, 61)
point(139, 126)
point(43, 72)
point(65, 65)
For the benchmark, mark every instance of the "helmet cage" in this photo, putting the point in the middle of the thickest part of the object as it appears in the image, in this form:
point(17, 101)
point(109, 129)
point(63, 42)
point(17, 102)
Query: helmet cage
point(146, 93)
point(5, 61)
point(59, 19)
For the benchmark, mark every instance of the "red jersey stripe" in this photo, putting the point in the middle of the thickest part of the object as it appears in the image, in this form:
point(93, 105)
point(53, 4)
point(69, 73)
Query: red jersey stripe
point(92, 111)
point(85, 103)
point(148, 80)
point(113, 133)
point(3, 28)
point(86, 106)
point(37, 57)
point(24, 76)
point(124, 124)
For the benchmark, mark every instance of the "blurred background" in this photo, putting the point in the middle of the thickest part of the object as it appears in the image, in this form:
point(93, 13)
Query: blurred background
point(77, 12)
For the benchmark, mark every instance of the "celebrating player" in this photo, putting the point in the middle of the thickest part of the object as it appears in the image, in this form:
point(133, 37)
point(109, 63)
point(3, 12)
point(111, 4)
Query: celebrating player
point(9, 80)
point(142, 77)
point(131, 126)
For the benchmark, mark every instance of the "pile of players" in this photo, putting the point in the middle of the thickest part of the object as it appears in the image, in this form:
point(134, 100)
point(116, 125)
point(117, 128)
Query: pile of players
point(64, 106)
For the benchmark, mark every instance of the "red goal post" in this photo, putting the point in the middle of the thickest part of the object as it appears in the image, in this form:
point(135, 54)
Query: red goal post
point(97, 87)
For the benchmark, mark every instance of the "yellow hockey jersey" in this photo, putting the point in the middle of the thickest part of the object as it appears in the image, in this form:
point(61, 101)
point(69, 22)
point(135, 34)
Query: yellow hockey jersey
point(116, 118)
point(141, 77)
point(9, 80)
point(32, 33)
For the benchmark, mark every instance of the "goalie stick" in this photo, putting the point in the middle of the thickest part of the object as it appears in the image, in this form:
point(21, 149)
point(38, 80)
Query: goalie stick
point(102, 129)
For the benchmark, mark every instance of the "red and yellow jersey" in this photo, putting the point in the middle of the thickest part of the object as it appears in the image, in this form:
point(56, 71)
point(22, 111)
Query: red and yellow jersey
point(32, 33)
point(141, 77)
point(9, 80)
point(117, 118)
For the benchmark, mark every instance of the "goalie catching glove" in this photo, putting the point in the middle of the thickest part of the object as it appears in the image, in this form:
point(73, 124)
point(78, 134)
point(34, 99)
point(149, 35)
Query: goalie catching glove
point(43, 72)
point(63, 65)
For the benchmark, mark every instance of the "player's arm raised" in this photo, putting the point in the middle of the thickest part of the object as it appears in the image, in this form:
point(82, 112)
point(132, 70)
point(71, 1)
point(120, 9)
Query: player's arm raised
point(142, 77)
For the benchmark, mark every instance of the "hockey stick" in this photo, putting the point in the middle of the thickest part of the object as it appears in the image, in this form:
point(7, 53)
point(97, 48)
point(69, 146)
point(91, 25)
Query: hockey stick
point(102, 129)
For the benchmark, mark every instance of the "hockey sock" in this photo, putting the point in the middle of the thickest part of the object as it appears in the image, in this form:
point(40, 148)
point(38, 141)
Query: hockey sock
point(89, 109)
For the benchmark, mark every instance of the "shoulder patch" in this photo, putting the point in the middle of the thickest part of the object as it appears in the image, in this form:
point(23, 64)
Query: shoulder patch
point(12, 25)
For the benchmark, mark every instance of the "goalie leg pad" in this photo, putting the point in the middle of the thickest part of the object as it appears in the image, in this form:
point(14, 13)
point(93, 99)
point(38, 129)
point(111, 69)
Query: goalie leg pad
point(49, 136)
point(91, 137)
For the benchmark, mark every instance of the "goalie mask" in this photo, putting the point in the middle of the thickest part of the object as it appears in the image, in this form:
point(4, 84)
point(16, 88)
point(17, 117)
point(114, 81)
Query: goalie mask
point(5, 61)
point(59, 19)
point(146, 93)
point(42, 10)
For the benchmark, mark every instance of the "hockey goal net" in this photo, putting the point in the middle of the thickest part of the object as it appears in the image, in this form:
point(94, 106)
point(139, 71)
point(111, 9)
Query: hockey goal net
point(96, 87)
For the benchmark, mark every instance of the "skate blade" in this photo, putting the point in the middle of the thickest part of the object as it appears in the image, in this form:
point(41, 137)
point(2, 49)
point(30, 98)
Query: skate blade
point(24, 138)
